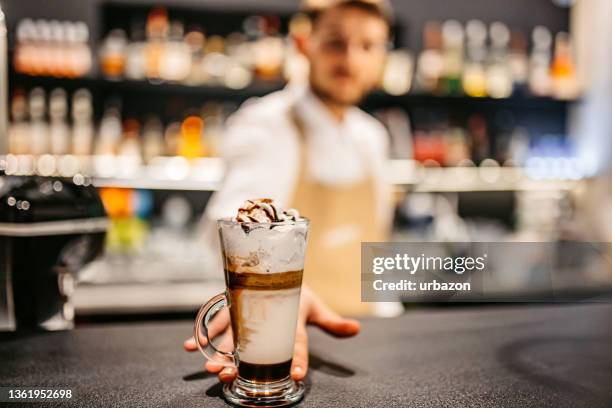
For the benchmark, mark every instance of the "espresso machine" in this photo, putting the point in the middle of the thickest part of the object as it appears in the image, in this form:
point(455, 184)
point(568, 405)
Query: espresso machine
point(49, 229)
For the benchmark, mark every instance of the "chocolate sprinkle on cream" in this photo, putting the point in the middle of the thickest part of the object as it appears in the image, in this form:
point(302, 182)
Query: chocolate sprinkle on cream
point(264, 211)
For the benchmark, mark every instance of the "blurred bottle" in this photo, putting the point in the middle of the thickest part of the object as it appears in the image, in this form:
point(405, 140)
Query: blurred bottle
point(479, 138)
point(172, 136)
point(539, 62)
point(175, 64)
point(474, 76)
point(452, 56)
point(24, 59)
point(238, 73)
point(518, 59)
point(195, 40)
point(59, 131)
point(39, 130)
point(190, 142)
point(157, 34)
point(430, 64)
point(499, 75)
point(429, 147)
point(113, 54)
point(130, 143)
point(19, 130)
point(457, 150)
point(82, 125)
point(215, 61)
point(397, 77)
point(562, 70)
point(153, 139)
point(135, 55)
point(79, 53)
point(109, 134)
point(214, 117)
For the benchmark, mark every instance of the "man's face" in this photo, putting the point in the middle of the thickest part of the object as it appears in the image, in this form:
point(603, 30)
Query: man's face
point(346, 51)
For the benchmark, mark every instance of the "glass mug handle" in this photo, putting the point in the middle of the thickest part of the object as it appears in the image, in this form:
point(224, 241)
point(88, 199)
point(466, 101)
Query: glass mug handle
point(212, 326)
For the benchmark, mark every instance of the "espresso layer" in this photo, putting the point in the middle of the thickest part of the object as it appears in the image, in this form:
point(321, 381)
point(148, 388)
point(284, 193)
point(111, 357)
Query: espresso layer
point(263, 281)
point(264, 373)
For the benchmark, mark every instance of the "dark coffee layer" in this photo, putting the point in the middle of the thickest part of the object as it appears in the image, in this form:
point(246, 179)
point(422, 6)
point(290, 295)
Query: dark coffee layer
point(264, 373)
point(263, 281)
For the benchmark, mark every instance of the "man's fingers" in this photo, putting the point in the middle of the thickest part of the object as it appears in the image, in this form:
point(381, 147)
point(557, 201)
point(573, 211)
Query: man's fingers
point(228, 374)
point(332, 322)
point(190, 344)
point(299, 366)
point(213, 367)
point(218, 323)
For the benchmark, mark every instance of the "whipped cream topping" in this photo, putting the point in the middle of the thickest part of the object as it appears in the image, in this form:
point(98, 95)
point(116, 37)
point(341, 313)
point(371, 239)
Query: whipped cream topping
point(265, 210)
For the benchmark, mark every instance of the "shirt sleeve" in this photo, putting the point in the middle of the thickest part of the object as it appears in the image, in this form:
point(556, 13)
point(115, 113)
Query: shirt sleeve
point(245, 148)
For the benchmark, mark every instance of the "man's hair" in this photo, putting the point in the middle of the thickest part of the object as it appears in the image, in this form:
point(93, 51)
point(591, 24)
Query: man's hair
point(379, 8)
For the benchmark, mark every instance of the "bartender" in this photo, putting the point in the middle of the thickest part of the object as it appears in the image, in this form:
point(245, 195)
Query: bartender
point(311, 148)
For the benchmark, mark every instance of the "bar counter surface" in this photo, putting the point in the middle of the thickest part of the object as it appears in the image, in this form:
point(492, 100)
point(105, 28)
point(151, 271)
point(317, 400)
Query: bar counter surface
point(493, 356)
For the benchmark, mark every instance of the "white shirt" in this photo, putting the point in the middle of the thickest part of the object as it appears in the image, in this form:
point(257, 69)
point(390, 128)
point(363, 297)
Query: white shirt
point(261, 151)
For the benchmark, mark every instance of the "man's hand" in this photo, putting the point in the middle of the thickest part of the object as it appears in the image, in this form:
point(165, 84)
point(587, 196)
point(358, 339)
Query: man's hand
point(312, 311)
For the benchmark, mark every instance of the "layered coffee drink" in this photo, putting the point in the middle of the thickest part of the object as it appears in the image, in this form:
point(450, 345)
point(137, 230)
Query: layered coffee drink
point(263, 254)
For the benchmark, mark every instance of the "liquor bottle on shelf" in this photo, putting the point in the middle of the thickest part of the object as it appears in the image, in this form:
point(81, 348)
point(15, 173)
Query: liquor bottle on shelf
point(172, 136)
point(130, 143)
point(59, 132)
point(77, 49)
point(452, 56)
point(195, 40)
point(152, 139)
point(157, 33)
point(190, 142)
point(474, 76)
point(430, 64)
point(82, 126)
point(562, 71)
point(397, 76)
point(499, 76)
point(268, 51)
point(112, 54)
point(19, 130)
point(135, 54)
point(539, 62)
point(215, 62)
point(238, 74)
point(24, 59)
point(479, 138)
point(109, 134)
point(175, 65)
point(214, 118)
point(39, 130)
point(518, 59)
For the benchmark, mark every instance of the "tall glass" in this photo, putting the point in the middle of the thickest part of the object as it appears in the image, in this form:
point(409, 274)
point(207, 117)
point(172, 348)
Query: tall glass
point(252, 324)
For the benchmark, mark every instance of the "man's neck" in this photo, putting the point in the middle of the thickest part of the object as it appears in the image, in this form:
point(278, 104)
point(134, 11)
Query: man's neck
point(337, 110)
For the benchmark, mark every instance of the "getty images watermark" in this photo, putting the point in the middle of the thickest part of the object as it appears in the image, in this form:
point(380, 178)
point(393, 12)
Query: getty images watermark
point(482, 272)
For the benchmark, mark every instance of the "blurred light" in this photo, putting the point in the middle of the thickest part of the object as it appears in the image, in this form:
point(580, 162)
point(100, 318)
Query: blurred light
point(489, 170)
point(68, 165)
point(45, 165)
point(25, 165)
point(78, 179)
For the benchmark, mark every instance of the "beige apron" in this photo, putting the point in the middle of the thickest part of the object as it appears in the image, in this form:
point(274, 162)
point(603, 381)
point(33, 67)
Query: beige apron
point(341, 217)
